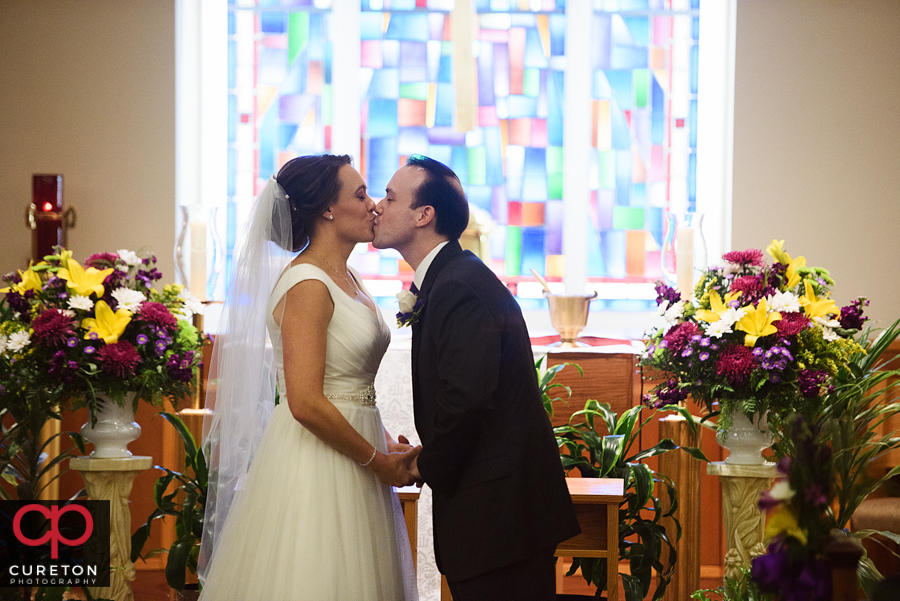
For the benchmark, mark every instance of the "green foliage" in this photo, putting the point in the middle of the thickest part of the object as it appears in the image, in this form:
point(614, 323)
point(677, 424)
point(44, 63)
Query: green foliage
point(642, 537)
point(545, 380)
point(734, 589)
point(24, 462)
point(187, 503)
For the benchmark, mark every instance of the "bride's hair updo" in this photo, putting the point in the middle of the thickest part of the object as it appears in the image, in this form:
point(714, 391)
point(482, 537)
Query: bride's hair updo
point(312, 185)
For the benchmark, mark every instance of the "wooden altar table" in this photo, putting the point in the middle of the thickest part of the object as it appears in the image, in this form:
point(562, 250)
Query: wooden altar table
point(597, 507)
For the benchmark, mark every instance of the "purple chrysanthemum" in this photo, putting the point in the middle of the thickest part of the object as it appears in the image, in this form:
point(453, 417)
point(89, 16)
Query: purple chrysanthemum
point(119, 359)
point(101, 260)
point(52, 327)
point(735, 363)
point(749, 257)
point(157, 314)
point(791, 324)
point(679, 336)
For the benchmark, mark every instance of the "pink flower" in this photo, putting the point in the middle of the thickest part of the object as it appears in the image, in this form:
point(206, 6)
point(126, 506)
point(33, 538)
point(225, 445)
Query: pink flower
point(101, 261)
point(735, 363)
point(157, 314)
point(745, 257)
point(791, 324)
point(679, 336)
point(747, 284)
point(52, 327)
point(119, 359)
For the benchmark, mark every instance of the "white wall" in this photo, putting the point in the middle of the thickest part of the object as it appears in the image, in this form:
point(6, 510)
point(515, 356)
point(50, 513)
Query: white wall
point(817, 139)
point(87, 89)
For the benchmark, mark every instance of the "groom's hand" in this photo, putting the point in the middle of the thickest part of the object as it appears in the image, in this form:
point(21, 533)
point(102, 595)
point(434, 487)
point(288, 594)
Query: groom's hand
point(401, 445)
point(393, 468)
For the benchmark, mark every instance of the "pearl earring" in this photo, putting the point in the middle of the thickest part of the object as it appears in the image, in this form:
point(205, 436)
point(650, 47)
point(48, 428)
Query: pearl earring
point(331, 217)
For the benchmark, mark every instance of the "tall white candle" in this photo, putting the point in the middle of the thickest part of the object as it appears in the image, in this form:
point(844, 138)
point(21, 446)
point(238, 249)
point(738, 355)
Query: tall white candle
point(198, 259)
point(684, 261)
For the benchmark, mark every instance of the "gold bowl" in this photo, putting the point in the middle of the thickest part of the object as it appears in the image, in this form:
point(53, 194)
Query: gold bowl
point(569, 315)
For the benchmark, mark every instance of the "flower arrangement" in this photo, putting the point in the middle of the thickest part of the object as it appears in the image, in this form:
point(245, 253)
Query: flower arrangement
point(75, 332)
point(800, 523)
point(759, 337)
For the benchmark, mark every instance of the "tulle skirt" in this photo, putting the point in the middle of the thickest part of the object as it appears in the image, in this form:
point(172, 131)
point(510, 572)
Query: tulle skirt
point(311, 524)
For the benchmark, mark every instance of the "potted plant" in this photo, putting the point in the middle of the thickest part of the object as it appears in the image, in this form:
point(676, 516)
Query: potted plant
point(96, 335)
point(759, 341)
point(586, 449)
point(186, 503)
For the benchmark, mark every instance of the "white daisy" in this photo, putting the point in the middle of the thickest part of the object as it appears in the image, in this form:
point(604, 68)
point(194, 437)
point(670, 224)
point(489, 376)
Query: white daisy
point(192, 304)
point(18, 340)
point(128, 299)
point(782, 491)
point(3, 341)
point(784, 302)
point(731, 315)
point(717, 328)
point(129, 257)
point(675, 312)
point(68, 313)
point(82, 303)
point(828, 326)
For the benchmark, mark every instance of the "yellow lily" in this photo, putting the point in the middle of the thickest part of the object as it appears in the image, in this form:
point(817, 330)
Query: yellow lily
point(64, 257)
point(717, 307)
point(83, 281)
point(776, 250)
point(792, 268)
point(784, 521)
point(31, 280)
point(814, 306)
point(757, 322)
point(107, 325)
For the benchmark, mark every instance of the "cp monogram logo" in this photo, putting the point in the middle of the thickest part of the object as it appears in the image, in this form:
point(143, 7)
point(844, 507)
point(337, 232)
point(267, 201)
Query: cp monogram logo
point(53, 535)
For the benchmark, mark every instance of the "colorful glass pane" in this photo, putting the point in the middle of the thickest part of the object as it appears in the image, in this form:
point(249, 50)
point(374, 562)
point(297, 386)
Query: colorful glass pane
point(644, 60)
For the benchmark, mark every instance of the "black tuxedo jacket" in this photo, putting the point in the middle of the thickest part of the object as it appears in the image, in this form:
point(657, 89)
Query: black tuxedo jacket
point(488, 454)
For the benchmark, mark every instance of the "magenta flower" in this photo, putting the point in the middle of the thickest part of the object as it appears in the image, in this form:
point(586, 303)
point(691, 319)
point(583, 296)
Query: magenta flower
point(752, 257)
point(735, 363)
point(119, 359)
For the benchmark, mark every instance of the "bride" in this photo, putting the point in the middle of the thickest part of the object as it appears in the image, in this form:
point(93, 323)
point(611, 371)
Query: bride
point(300, 504)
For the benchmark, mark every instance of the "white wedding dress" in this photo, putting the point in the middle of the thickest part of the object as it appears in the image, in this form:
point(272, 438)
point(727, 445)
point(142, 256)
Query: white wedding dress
point(311, 524)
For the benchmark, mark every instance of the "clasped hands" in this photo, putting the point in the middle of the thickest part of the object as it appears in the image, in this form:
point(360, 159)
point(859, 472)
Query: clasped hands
point(400, 467)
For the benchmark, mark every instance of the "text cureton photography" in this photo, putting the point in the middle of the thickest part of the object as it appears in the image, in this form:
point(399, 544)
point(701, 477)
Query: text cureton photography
point(54, 543)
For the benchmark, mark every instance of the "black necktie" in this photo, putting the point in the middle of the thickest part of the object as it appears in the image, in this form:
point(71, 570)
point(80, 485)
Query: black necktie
point(414, 289)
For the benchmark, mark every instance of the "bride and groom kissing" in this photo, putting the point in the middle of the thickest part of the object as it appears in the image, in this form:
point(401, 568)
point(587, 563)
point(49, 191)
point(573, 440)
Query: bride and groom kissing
point(312, 514)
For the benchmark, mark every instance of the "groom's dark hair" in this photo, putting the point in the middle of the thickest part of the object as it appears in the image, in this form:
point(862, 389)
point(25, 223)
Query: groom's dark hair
point(451, 209)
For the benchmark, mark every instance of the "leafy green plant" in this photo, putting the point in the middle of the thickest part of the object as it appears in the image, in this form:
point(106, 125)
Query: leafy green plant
point(734, 589)
point(186, 503)
point(642, 536)
point(546, 383)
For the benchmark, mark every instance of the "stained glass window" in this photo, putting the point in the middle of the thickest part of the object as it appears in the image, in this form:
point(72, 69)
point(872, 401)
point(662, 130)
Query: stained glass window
point(643, 94)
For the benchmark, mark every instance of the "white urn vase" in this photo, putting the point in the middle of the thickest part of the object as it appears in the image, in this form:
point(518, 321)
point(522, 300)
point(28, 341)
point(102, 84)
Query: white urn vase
point(114, 429)
point(746, 439)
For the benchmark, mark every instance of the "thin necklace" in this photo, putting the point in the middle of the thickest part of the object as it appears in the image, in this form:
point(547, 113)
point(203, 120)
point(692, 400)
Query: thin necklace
point(330, 266)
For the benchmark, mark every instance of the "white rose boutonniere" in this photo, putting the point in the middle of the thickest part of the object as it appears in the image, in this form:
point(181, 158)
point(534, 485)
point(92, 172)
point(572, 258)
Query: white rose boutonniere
point(410, 308)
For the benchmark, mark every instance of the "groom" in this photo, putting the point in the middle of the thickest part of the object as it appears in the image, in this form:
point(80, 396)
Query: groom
point(500, 500)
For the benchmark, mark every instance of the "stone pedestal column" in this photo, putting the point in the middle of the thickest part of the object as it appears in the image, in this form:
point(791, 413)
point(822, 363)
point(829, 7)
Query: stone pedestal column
point(111, 480)
point(744, 523)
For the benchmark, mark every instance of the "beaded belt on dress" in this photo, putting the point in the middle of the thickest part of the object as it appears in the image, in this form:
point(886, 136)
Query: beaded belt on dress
point(366, 397)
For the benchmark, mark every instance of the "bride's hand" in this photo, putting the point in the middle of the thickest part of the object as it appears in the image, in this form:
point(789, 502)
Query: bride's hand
point(393, 468)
